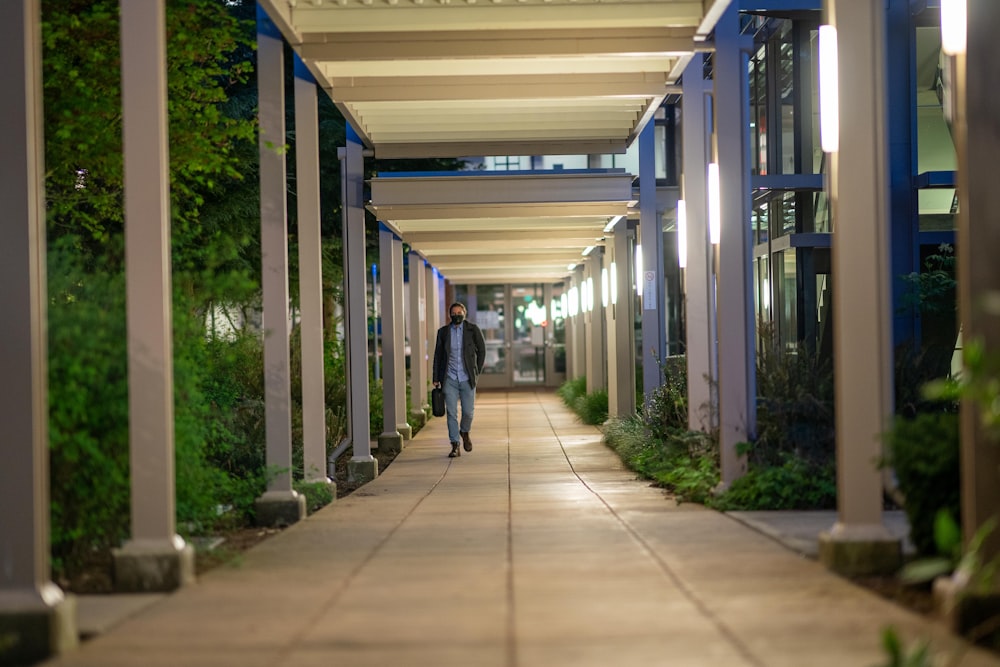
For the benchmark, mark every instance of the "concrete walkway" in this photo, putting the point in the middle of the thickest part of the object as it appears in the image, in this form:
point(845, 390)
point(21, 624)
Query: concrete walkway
point(535, 550)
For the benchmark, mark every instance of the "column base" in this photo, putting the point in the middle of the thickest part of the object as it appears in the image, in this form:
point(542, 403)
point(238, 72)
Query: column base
point(34, 627)
point(153, 566)
point(362, 470)
point(419, 418)
point(405, 430)
point(971, 615)
point(857, 551)
point(390, 442)
point(279, 508)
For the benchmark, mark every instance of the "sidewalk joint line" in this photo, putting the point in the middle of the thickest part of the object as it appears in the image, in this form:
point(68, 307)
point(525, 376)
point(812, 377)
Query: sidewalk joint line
point(686, 591)
point(296, 639)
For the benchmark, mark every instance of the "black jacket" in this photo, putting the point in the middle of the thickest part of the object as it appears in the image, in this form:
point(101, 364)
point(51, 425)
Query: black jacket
point(473, 352)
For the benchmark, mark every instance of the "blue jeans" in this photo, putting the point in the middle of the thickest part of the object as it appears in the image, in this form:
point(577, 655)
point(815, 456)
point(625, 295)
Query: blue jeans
point(453, 391)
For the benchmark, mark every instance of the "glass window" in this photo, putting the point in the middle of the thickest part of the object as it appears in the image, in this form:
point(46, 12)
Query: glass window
point(788, 209)
point(760, 223)
point(788, 326)
point(787, 97)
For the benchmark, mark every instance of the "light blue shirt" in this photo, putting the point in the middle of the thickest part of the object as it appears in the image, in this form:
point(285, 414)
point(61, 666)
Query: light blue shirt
point(456, 367)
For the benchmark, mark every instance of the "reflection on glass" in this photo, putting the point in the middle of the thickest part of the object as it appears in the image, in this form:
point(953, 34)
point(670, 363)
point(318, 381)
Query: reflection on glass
point(528, 343)
point(490, 318)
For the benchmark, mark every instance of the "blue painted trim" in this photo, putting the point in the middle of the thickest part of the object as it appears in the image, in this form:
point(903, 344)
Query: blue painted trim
point(810, 240)
point(901, 130)
point(499, 174)
point(937, 237)
point(352, 136)
point(787, 182)
point(382, 227)
point(265, 26)
point(301, 71)
point(780, 5)
point(935, 179)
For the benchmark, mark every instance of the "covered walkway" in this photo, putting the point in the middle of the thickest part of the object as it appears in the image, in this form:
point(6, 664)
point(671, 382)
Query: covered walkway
point(537, 548)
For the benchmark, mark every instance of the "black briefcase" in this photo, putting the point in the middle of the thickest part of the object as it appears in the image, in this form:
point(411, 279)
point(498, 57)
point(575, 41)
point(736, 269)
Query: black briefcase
point(437, 401)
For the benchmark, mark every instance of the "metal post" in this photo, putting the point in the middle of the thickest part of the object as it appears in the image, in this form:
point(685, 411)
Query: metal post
point(859, 543)
point(737, 390)
point(654, 339)
point(362, 466)
point(280, 504)
point(28, 597)
point(155, 558)
point(310, 276)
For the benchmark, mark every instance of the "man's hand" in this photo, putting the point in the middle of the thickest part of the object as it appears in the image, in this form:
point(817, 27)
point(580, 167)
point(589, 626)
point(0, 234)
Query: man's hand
point(437, 385)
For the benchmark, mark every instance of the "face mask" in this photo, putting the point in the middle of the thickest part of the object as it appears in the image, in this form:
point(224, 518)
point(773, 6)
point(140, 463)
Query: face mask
point(457, 319)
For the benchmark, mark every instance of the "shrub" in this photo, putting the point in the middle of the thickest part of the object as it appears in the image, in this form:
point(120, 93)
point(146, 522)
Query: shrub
point(318, 494)
point(794, 485)
point(88, 409)
point(570, 390)
point(795, 403)
point(667, 408)
point(592, 408)
point(685, 462)
point(924, 452)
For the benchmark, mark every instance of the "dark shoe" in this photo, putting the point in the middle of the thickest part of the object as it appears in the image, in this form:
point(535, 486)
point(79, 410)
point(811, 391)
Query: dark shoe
point(466, 441)
point(454, 451)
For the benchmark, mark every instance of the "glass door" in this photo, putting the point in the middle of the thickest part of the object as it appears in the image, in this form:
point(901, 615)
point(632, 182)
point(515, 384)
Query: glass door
point(524, 330)
point(528, 336)
point(488, 308)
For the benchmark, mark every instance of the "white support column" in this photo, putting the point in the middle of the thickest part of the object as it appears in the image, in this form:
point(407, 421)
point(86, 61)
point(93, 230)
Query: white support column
point(586, 317)
point(418, 340)
point(737, 379)
point(433, 300)
point(597, 351)
point(579, 324)
point(399, 336)
point(699, 295)
point(32, 608)
point(310, 277)
point(570, 324)
point(859, 543)
point(362, 466)
point(621, 323)
point(390, 439)
point(977, 109)
point(280, 504)
point(654, 330)
point(155, 558)
point(610, 332)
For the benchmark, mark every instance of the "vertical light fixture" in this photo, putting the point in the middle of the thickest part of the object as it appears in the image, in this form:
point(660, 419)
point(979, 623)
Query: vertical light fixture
point(590, 294)
point(682, 234)
point(954, 19)
point(714, 204)
point(614, 283)
point(638, 269)
point(562, 304)
point(829, 90)
point(574, 301)
point(604, 287)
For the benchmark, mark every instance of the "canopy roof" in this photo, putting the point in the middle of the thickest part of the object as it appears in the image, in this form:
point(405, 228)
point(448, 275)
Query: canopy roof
point(454, 78)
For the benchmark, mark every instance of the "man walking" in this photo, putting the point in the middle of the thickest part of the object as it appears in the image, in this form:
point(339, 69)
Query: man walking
point(459, 356)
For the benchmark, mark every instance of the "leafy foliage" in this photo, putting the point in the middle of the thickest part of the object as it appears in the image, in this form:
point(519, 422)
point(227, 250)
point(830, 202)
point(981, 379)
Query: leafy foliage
point(667, 408)
point(795, 484)
point(88, 407)
point(685, 462)
point(924, 454)
point(898, 656)
point(794, 409)
point(570, 390)
point(592, 408)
